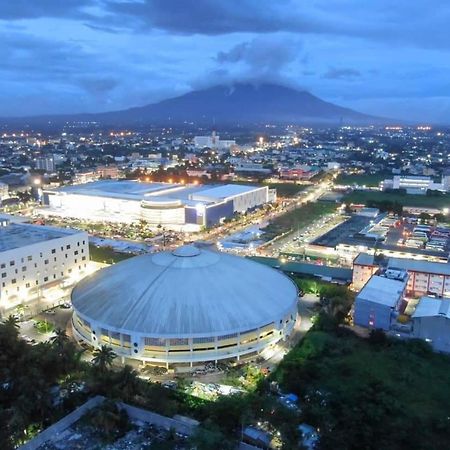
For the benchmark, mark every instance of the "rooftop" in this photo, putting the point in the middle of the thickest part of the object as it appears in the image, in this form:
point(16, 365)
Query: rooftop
point(227, 190)
point(382, 290)
point(15, 235)
point(136, 190)
point(188, 291)
point(433, 307)
point(419, 266)
point(364, 259)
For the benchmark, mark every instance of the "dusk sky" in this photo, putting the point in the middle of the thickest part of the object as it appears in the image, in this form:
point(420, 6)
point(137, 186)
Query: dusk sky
point(384, 57)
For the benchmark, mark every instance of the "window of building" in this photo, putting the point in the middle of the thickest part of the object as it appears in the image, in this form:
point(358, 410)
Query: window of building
point(13, 281)
point(11, 263)
point(4, 275)
point(53, 250)
point(154, 342)
point(45, 279)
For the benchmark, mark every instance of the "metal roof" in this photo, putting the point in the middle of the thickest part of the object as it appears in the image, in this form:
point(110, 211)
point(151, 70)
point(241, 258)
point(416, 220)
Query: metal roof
point(336, 273)
point(382, 290)
point(227, 190)
point(420, 266)
point(432, 307)
point(187, 292)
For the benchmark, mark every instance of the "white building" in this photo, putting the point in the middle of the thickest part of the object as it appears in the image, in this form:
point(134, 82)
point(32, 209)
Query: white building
point(46, 163)
point(379, 300)
point(171, 205)
point(187, 306)
point(431, 322)
point(36, 262)
point(213, 142)
point(413, 184)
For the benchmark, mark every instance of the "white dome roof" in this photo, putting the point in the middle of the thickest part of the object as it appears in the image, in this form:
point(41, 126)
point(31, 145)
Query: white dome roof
point(187, 292)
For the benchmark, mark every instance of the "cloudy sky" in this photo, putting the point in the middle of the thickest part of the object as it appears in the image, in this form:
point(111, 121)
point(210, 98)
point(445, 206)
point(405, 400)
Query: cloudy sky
point(384, 57)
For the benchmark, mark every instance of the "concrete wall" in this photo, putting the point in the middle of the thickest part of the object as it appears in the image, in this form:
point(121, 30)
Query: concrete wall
point(62, 424)
point(133, 413)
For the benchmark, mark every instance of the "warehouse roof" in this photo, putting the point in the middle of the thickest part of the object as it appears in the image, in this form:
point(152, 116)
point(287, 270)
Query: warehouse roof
point(227, 190)
point(382, 290)
point(420, 266)
point(315, 270)
point(189, 291)
point(432, 307)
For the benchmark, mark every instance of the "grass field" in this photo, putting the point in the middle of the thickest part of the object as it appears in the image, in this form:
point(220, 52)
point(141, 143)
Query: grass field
point(371, 180)
point(403, 199)
point(106, 254)
point(370, 393)
point(298, 218)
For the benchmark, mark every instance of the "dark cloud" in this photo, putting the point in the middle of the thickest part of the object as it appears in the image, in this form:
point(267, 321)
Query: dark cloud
point(262, 54)
point(32, 9)
point(209, 17)
point(98, 86)
point(342, 74)
point(416, 22)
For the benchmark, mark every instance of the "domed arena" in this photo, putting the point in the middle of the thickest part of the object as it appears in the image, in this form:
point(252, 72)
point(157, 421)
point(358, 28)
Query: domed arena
point(184, 307)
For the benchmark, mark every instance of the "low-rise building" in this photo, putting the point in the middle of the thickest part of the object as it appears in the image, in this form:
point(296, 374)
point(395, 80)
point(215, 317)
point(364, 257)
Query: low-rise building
point(413, 184)
point(378, 301)
point(431, 322)
point(425, 277)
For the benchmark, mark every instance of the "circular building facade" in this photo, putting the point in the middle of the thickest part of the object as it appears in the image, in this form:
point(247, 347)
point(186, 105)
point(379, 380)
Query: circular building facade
point(187, 306)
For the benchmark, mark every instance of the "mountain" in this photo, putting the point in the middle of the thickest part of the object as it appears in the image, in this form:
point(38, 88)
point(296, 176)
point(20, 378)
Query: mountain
point(240, 104)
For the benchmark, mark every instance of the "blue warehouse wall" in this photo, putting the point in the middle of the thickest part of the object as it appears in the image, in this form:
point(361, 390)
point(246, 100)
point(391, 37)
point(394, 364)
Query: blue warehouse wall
point(190, 214)
point(217, 212)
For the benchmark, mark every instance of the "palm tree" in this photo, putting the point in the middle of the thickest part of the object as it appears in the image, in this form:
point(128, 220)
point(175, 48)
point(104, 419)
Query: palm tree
point(60, 339)
point(127, 382)
point(12, 321)
point(103, 358)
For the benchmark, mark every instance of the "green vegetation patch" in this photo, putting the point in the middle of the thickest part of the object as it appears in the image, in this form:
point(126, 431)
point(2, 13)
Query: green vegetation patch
point(298, 218)
point(371, 393)
point(43, 326)
point(374, 198)
point(365, 179)
point(107, 254)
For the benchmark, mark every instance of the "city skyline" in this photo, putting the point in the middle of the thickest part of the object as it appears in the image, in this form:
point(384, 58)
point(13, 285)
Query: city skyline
point(80, 56)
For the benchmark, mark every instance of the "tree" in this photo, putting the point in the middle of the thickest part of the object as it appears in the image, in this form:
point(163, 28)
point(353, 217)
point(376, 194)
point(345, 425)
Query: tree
point(12, 321)
point(205, 439)
point(103, 358)
point(127, 382)
point(60, 339)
